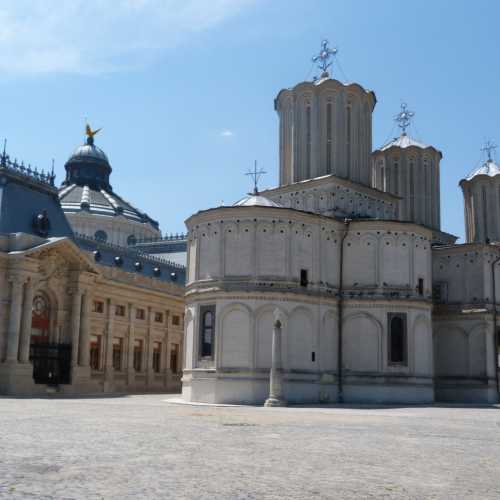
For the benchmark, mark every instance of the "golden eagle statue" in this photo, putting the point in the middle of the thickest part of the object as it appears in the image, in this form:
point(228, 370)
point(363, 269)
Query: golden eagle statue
point(90, 133)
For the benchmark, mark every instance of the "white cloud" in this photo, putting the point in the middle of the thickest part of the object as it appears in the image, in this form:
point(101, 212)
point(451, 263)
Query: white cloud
point(227, 133)
point(100, 36)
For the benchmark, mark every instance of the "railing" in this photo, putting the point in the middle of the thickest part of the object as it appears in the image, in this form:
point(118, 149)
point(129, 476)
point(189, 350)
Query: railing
point(130, 251)
point(170, 237)
point(40, 176)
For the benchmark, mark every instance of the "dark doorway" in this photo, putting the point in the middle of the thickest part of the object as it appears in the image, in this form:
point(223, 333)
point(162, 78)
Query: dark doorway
point(51, 363)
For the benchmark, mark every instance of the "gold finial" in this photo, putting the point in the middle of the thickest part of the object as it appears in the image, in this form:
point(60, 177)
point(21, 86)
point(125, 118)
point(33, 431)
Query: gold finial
point(90, 134)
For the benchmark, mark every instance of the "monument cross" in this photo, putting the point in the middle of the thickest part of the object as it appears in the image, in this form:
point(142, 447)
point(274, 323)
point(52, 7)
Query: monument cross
point(488, 148)
point(325, 54)
point(256, 175)
point(404, 117)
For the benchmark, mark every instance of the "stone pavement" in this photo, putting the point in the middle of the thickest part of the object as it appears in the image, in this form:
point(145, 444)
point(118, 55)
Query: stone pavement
point(138, 447)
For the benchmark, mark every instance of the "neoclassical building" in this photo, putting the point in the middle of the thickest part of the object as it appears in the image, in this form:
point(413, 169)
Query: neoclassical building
point(82, 310)
point(377, 303)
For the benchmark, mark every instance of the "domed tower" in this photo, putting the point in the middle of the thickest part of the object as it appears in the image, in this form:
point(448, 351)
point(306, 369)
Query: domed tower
point(91, 205)
point(481, 190)
point(325, 127)
point(410, 169)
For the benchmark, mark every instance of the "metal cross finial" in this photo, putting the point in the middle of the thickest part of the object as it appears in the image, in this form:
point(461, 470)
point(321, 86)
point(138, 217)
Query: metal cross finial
point(403, 118)
point(488, 148)
point(256, 175)
point(325, 54)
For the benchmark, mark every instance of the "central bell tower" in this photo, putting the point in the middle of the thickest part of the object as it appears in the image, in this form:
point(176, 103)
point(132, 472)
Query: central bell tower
point(325, 127)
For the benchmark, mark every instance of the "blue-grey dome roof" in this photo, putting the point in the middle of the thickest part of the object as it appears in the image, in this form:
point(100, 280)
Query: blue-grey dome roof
point(88, 151)
point(256, 200)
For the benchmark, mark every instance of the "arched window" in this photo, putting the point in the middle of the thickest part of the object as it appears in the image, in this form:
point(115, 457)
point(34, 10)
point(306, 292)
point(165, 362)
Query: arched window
point(101, 235)
point(40, 319)
point(397, 339)
point(207, 331)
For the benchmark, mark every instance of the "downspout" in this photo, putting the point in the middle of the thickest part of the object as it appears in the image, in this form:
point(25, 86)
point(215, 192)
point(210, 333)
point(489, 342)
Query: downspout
point(495, 332)
point(339, 316)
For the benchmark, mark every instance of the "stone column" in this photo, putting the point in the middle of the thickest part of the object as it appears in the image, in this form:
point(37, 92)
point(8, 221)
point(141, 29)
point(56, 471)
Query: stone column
point(16, 299)
point(148, 349)
point(84, 340)
point(108, 364)
point(76, 311)
point(24, 344)
point(276, 376)
point(130, 357)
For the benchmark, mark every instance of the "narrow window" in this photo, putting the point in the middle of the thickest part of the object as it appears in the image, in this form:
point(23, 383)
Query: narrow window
point(157, 357)
point(308, 142)
point(117, 354)
point(176, 320)
point(303, 277)
point(348, 141)
point(313, 356)
point(159, 317)
point(498, 348)
point(138, 355)
point(95, 352)
point(98, 306)
point(140, 313)
point(412, 192)
point(397, 339)
point(174, 358)
point(329, 138)
point(120, 310)
point(207, 331)
point(420, 286)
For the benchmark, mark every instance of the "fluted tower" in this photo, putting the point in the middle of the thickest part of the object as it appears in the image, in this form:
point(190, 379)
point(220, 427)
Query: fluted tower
point(481, 190)
point(325, 127)
point(410, 169)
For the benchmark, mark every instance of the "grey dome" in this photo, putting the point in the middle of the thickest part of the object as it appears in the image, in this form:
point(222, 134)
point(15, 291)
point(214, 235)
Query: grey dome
point(88, 151)
point(404, 141)
point(256, 200)
point(489, 168)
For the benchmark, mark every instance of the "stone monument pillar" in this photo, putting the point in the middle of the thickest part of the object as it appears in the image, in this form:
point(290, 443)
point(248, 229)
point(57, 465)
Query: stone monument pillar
point(276, 376)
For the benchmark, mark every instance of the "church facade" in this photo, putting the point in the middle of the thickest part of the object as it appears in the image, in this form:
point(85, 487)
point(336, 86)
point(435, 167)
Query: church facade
point(376, 302)
point(83, 310)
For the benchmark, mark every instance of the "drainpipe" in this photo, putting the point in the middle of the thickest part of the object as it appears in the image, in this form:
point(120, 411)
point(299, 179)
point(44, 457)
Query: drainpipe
point(495, 333)
point(339, 316)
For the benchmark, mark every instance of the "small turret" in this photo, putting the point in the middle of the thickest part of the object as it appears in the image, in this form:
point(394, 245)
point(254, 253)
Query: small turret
point(481, 191)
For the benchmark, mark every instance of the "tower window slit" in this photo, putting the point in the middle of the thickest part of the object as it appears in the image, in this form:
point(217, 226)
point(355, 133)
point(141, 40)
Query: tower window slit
point(329, 138)
point(308, 142)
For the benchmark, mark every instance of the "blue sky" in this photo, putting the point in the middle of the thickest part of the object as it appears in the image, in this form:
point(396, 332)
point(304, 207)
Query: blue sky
point(184, 89)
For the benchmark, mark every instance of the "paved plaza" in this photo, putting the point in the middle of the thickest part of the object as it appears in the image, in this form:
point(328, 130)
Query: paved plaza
point(145, 447)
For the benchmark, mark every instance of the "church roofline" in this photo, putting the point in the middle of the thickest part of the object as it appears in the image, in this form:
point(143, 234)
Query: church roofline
point(393, 145)
point(325, 82)
point(299, 185)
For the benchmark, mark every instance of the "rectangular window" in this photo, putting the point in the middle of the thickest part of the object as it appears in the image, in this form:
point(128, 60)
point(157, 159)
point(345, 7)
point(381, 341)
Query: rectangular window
point(98, 306)
point(303, 277)
point(95, 352)
point(117, 354)
point(329, 138)
point(159, 317)
point(157, 357)
point(140, 314)
point(137, 355)
point(174, 358)
point(420, 286)
point(207, 331)
point(119, 310)
point(176, 320)
point(398, 339)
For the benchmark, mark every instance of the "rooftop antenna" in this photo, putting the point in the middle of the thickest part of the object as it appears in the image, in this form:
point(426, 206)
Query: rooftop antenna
point(488, 148)
point(404, 117)
point(323, 58)
point(256, 175)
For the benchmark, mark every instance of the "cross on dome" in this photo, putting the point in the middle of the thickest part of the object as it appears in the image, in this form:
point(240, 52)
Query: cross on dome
point(325, 54)
point(488, 148)
point(404, 117)
point(256, 175)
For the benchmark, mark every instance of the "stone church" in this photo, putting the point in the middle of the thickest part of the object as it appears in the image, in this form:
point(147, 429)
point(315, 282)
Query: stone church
point(85, 307)
point(376, 303)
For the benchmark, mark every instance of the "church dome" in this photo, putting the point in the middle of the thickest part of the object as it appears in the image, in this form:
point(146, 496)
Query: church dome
point(489, 168)
point(91, 205)
point(256, 200)
point(405, 141)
